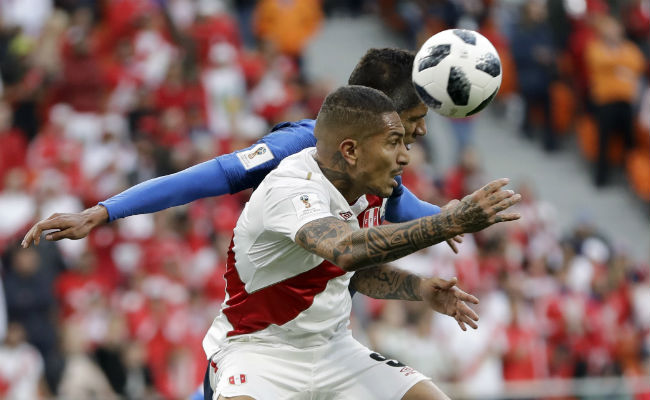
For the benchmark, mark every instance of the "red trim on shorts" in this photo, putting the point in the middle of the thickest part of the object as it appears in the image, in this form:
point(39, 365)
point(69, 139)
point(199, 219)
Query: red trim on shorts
point(276, 304)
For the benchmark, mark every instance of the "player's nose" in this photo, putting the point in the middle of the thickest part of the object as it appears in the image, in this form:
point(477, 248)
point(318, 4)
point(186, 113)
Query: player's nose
point(420, 129)
point(403, 157)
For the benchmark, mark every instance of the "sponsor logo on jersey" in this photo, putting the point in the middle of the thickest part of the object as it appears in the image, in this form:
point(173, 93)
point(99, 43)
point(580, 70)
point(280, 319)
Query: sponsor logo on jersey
point(237, 379)
point(346, 215)
point(255, 156)
point(371, 217)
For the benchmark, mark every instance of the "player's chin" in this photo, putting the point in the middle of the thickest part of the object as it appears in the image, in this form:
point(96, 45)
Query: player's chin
point(387, 190)
point(381, 190)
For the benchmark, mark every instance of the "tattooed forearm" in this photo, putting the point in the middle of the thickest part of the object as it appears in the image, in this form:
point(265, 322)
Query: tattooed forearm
point(352, 249)
point(386, 282)
point(337, 242)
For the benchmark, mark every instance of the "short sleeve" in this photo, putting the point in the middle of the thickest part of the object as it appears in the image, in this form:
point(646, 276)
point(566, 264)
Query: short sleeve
point(291, 205)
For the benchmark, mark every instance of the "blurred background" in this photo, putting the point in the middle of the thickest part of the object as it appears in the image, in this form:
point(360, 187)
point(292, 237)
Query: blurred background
point(97, 96)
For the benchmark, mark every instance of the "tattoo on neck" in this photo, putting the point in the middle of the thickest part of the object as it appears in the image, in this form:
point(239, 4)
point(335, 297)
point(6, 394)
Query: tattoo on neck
point(336, 173)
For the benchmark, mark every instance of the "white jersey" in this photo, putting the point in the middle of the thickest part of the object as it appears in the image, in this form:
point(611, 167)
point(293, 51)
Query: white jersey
point(276, 290)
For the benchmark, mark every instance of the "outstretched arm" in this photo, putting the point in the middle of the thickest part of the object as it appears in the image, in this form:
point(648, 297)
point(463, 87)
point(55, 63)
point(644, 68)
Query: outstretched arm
point(202, 180)
point(404, 206)
point(443, 296)
point(228, 173)
point(336, 241)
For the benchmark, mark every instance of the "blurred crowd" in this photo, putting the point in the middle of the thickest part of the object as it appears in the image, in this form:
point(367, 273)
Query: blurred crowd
point(569, 66)
point(99, 95)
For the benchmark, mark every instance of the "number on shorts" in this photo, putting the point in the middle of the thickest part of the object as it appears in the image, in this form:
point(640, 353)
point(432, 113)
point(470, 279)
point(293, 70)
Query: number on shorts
point(380, 358)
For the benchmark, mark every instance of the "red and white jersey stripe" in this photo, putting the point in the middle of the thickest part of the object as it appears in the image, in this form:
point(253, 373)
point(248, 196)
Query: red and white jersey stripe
point(276, 290)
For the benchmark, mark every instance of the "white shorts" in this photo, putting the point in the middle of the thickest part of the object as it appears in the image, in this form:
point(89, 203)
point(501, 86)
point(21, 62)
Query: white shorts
point(341, 369)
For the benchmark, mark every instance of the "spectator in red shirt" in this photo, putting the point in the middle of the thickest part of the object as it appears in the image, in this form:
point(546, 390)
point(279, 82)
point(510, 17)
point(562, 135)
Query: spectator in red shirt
point(13, 144)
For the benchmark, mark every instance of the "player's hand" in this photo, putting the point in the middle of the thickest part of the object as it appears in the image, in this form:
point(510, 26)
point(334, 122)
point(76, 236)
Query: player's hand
point(484, 207)
point(456, 239)
point(67, 226)
point(446, 298)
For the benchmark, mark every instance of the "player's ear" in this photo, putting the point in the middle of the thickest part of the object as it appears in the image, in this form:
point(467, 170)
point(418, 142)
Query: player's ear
point(349, 149)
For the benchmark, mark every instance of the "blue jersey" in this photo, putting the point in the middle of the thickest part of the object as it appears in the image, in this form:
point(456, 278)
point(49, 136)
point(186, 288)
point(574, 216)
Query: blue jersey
point(243, 169)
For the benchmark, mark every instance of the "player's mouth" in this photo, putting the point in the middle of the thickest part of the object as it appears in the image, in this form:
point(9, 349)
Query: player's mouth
point(396, 174)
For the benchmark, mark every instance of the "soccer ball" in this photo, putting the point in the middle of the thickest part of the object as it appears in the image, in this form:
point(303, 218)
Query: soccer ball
point(457, 72)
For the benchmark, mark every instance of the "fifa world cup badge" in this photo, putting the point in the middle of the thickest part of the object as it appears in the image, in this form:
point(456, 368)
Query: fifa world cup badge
point(305, 200)
point(307, 204)
point(255, 156)
point(258, 152)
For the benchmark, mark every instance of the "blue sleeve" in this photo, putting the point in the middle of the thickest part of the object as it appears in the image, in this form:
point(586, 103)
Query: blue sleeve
point(202, 180)
point(247, 168)
point(403, 206)
point(229, 173)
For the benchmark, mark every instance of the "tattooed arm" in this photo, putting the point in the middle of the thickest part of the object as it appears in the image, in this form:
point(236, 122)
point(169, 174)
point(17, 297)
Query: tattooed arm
point(443, 296)
point(387, 282)
point(351, 249)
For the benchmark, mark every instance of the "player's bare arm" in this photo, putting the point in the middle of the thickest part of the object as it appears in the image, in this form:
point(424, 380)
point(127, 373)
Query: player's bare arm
point(443, 296)
point(68, 225)
point(351, 249)
point(387, 282)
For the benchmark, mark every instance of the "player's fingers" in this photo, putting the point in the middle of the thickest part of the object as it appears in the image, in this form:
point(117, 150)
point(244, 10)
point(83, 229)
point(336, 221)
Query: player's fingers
point(494, 185)
point(34, 233)
point(469, 322)
point(460, 323)
point(505, 217)
point(69, 233)
point(28, 238)
point(506, 203)
point(451, 244)
point(464, 296)
point(468, 312)
point(500, 196)
point(57, 222)
point(444, 284)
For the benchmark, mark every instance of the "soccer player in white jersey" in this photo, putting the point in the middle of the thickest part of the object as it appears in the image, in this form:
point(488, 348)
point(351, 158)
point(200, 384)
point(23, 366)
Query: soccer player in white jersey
point(282, 332)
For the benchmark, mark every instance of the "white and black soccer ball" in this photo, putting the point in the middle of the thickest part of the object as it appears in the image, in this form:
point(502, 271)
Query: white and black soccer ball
point(457, 72)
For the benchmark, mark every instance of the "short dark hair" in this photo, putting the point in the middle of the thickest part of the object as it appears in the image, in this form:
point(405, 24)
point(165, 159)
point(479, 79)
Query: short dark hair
point(352, 111)
point(388, 70)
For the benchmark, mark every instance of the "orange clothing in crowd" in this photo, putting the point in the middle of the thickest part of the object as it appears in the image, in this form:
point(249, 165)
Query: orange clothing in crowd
point(614, 71)
point(288, 24)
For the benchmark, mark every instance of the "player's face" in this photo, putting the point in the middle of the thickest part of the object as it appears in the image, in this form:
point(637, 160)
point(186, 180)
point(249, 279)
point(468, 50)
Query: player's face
point(383, 157)
point(413, 121)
